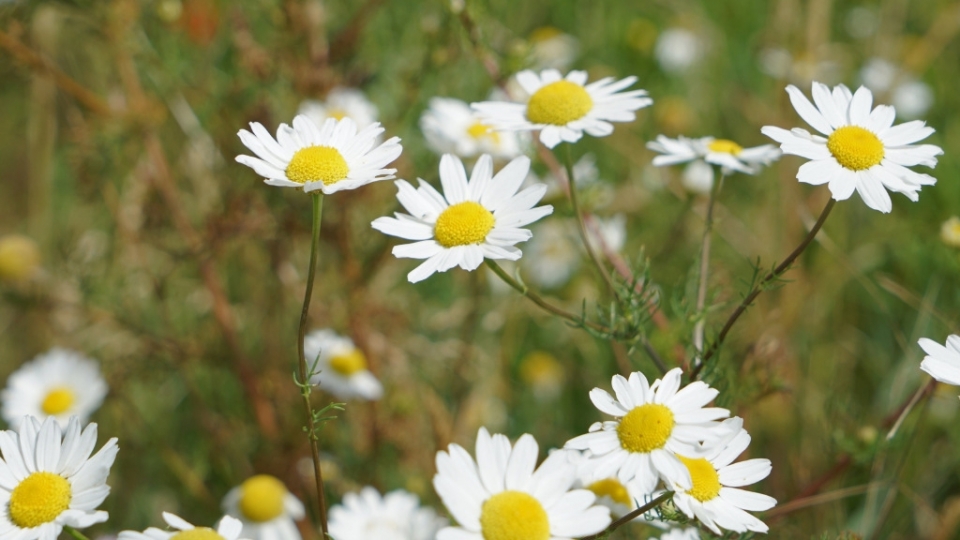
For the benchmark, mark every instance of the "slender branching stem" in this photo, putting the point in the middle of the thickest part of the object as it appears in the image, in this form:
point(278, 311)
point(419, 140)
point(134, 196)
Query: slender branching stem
point(75, 533)
point(631, 516)
point(698, 330)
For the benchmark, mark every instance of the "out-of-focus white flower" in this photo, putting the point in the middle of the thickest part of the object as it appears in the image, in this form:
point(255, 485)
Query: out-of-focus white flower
point(341, 103)
point(912, 99)
point(610, 232)
point(59, 383)
point(228, 528)
point(552, 254)
point(942, 361)
point(678, 49)
point(450, 126)
point(395, 516)
point(551, 48)
point(730, 156)
point(342, 366)
point(878, 74)
point(267, 510)
point(950, 231)
point(543, 373)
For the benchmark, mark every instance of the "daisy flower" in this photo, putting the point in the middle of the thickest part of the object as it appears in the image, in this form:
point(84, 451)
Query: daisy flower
point(58, 384)
point(500, 496)
point(942, 361)
point(714, 498)
point(950, 231)
point(551, 48)
point(653, 423)
point(554, 253)
point(228, 529)
point(265, 508)
point(331, 157)
point(562, 108)
point(860, 150)
point(394, 516)
point(450, 126)
point(341, 103)
point(678, 49)
point(472, 220)
point(727, 154)
point(48, 479)
point(621, 498)
point(342, 366)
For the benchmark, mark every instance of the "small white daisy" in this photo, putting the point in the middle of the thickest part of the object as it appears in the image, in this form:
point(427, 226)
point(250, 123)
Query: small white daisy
point(862, 150)
point(452, 127)
point(331, 157)
point(267, 510)
point(728, 155)
point(228, 529)
point(563, 108)
point(551, 48)
point(942, 361)
point(394, 516)
point(553, 254)
point(48, 479)
point(58, 383)
point(342, 366)
point(620, 497)
point(609, 232)
point(341, 103)
point(653, 423)
point(472, 220)
point(714, 498)
point(501, 495)
point(950, 231)
point(678, 49)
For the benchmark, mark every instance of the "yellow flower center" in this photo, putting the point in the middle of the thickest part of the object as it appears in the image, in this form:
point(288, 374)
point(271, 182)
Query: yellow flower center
point(725, 146)
point(57, 401)
point(462, 224)
point(706, 481)
point(199, 533)
point(317, 164)
point(559, 103)
point(261, 498)
point(338, 114)
point(481, 131)
point(544, 33)
point(645, 428)
point(350, 362)
point(39, 499)
point(855, 148)
point(513, 515)
point(19, 257)
point(540, 367)
point(611, 487)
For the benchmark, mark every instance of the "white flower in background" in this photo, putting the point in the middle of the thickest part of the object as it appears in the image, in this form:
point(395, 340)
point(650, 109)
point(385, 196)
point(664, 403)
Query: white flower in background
point(48, 479)
point(227, 529)
point(679, 534)
point(341, 103)
point(553, 254)
point(912, 99)
point(942, 361)
point(862, 151)
point(552, 49)
point(609, 232)
point(342, 366)
point(450, 126)
point(727, 154)
point(878, 74)
point(472, 220)
point(563, 108)
point(950, 231)
point(59, 383)
point(394, 516)
point(331, 157)
point(620, 497)
point(715, 498)
point(266, 509)
point(677, 49)
point(653, 424)
point(503, 495)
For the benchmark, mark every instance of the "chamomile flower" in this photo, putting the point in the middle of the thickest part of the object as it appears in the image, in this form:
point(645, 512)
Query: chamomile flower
point(341, 103)
point(331, 157)
point(342, 366)
point(678, 49)
point(59, 384)
point(653, 424)
point(950, 231)
point(620, 497)
point(501, 497)
point(450, 126)
point(394, 516)
point(942, 361)
point(554, 253)
point(49, 480)
point(728, 155)
point(472, 220)
point(267, 510)
point(715, 498)
point(551, 48)
point(563, 108)
point(227, 529)
point(861, 149)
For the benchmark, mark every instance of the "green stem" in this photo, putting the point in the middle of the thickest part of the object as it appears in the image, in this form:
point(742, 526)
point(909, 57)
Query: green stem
point(698, 330)
point(631, 516)
point(317, 199)
point(75, 533)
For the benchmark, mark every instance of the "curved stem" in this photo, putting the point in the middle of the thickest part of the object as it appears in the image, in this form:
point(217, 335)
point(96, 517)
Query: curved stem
point(317, 199)
point(568, 164)
point(761, 285)
point(631, 516)
point(75, 533)
point(698, 330)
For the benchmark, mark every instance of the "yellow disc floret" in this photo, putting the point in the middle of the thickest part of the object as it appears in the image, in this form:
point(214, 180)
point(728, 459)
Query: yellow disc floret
point(39, 499)
point(317, 164)
point(58, 401)
point(611, 487)
point(349, 362)
point(706, 481)
point(725, 146)
point(559, 103)
point(513, 515)
point(463, 224)
point(261, 498)
point(199, 533)
point(645, 428)
point(337, 114)
point(19, 257)
point(482, 131)
point(855, 148)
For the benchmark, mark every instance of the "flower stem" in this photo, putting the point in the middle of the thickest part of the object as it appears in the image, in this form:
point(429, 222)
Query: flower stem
point(761, 286)
point(631, 516)
point(317, 199)
point(75, 533)
point(698, 330)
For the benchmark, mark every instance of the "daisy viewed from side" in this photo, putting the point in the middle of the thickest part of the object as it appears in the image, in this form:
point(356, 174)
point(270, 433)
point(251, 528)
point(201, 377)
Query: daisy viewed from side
point(265, 508)
point(331, 157)
point(504, 496)
point(341, 103)
point(563, 108)
point(227, 529)
point(451, 126)
point(59, 383)
point(472, 220)
point(728, 155)
point(49, 480)
point(342, 366)
point(621, 498)
point(654, 422)
point(942, 361)
point(394, 516)
point(860, 149)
